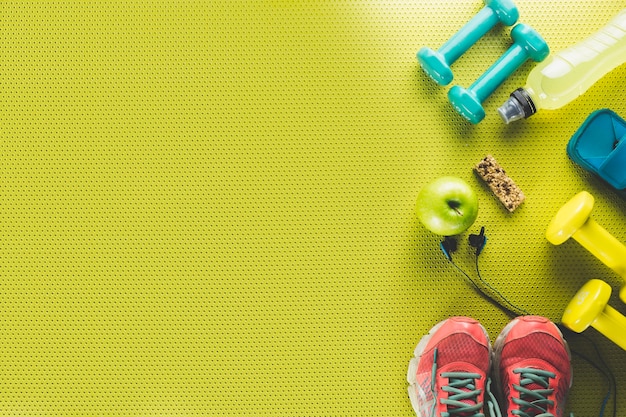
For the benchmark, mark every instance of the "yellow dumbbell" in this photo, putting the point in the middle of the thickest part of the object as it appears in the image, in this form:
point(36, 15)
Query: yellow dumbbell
point(573, 220)
point(589, 307)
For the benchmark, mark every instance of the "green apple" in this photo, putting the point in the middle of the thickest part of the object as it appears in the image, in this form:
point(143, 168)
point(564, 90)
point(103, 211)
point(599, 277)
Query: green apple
point(447, 206)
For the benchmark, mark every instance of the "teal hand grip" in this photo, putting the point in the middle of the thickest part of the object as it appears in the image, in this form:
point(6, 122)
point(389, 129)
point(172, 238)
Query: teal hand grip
point(437, 63)
point(528, 44)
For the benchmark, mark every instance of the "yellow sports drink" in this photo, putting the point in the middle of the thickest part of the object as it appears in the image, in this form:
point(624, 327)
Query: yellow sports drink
point(564, 76)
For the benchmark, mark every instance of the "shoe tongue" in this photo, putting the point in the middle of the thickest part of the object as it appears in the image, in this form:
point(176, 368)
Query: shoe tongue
point(531, 386)
point(466, 414)
point(468, 401)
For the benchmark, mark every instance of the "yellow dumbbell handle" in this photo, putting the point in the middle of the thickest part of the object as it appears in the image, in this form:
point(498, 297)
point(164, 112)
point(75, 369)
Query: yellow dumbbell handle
point(573, 220)
point(613, 325)
point(603, 246)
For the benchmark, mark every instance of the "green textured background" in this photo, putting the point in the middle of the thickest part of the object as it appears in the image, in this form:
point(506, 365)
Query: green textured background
point(208, 208)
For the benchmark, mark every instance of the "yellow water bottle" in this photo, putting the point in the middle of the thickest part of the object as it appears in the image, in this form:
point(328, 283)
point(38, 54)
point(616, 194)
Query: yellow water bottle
point(564, 76)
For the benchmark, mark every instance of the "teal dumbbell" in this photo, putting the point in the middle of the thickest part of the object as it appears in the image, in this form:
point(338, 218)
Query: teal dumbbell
point(528, 44)
point(437, 63)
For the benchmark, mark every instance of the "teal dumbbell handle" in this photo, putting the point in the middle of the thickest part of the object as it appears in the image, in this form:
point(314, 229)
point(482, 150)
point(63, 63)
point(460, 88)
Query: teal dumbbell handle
point(469, 34)
point(508, 63)
point(528, 45)
point(437, 63)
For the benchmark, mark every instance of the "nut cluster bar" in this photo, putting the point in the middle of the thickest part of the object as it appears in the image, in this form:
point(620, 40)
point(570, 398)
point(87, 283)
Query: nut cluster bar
point(500, 184)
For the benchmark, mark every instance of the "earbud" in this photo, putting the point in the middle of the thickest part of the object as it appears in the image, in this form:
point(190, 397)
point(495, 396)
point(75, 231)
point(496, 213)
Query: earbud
point(448, 246)
point(478, 241)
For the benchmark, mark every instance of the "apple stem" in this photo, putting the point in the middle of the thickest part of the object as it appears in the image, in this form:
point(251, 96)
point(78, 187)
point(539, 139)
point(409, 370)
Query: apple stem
point(454, 205)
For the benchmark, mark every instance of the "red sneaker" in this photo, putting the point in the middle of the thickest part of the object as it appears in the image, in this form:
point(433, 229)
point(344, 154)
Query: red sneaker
point(450, 370)
point(532, 367)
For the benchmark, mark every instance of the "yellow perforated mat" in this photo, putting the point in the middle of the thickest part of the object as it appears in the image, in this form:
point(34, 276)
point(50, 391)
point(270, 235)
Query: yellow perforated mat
point(207, 208)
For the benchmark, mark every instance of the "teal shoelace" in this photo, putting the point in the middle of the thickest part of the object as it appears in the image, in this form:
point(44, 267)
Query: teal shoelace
point(462, 400)
point(533, 402)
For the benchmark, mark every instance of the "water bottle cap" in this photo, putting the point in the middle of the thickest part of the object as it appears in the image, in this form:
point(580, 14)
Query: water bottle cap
point(518, 106)
point(511, 111)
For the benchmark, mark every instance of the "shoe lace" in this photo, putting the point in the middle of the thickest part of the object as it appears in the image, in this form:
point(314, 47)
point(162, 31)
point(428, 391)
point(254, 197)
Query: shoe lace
point(462, 398)
point(534, 391)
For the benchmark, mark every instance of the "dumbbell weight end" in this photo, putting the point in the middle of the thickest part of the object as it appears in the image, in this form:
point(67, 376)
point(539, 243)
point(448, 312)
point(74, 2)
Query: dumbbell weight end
point(589, 307)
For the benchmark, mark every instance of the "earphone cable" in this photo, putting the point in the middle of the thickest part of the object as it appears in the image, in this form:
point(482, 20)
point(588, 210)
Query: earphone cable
point(519, 310)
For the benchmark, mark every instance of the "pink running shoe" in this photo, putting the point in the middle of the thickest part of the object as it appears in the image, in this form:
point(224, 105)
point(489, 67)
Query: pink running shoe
point(532, 366)
point(449, 373)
